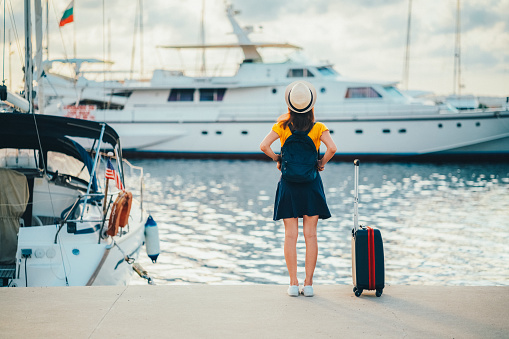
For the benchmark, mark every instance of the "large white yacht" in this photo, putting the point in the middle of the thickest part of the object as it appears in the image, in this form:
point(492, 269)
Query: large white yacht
point(179, 115)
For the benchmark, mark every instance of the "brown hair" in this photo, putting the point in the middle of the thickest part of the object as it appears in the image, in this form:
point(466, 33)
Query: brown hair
point(298, 121)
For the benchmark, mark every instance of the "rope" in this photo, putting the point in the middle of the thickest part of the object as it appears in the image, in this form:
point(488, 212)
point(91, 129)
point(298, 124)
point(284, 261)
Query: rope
point(63, 262)
point(136, 267)
point(16, 37)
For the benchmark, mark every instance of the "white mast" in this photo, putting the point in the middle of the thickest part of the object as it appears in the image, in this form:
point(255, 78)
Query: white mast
point(28, 56)
point(47, 29)
point(141, 39)
point(10, 61)
point(203, 66)
point(38, 51)
point(457, 53)
point(407, 53)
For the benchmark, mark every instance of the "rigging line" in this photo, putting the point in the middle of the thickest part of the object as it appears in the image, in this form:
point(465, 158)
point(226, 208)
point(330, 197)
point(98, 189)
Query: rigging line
point(104, 64)
point(41, 156)
point(60, 31)
point(63, 262)
point(3, 61)
point(16, 36)
point(63, 45)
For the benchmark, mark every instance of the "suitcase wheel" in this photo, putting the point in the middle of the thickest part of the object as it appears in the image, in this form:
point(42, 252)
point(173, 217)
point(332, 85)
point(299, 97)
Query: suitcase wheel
point(379, 293)
point(357, 291)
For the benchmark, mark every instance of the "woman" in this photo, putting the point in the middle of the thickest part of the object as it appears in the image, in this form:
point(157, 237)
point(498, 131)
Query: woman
point(300, 200)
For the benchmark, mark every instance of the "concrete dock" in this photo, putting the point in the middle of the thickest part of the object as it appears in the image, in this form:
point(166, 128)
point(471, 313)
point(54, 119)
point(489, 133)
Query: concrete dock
point(253, 311)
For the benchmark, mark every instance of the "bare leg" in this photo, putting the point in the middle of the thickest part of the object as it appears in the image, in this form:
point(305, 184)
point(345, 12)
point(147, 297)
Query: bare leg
point(310, 223)
point(291, 234)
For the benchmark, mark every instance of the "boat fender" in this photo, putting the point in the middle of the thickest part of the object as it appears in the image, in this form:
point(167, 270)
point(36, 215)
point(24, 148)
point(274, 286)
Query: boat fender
point(119, 212)
point(152, 239)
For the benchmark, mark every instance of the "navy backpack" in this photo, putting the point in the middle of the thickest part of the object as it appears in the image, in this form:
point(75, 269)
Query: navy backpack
point(299, 157)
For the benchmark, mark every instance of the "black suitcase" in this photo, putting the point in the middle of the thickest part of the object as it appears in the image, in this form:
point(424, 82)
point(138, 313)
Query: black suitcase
point(368, 267)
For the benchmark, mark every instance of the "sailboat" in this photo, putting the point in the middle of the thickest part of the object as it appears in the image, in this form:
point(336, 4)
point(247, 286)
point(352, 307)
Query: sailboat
point(227, 116)
point(58, 225)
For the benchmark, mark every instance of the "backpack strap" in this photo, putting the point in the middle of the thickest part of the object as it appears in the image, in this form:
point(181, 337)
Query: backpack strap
point(309, 130)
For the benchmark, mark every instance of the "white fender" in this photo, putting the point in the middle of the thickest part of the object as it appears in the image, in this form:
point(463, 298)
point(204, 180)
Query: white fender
point(152, 239)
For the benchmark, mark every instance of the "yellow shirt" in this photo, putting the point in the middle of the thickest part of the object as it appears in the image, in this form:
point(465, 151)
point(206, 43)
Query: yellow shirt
point(315, 134)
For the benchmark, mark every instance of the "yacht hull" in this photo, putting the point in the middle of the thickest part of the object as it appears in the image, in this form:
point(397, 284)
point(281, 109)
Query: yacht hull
point(458, 135)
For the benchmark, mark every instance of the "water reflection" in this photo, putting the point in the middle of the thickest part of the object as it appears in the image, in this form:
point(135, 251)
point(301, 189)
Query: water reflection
point(441, 224)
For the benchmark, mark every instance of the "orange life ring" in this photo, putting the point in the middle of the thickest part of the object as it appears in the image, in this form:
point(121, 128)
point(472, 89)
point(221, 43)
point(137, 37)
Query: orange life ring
point(119, 215)
point(126, 210)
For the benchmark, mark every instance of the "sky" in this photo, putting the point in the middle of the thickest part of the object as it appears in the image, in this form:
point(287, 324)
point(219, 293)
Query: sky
point(364, 39)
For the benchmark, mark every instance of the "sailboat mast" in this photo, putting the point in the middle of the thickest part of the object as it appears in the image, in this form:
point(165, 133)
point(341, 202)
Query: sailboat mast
point(407, 52)
point(28, 56)
point(141, 39)
point(47, 29)
point(202, 32)
point(10, 60)
point(457, 53)
point(74, 27)
point(136, 18)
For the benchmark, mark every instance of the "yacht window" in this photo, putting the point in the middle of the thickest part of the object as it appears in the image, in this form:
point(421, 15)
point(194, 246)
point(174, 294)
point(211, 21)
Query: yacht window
point(327, 71)
point(244, 132)
point(386, 131)
point(18, 158)
point(403, 130)
point(393, 92)
point(299, 73)
point(181, 94)
point(204, 132)
point(361, 93)
point(212, 94)
point(123, 94)
point(65, 164)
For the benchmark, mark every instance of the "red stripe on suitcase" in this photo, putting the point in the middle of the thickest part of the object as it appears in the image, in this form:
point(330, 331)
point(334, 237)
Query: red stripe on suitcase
point(371, 258)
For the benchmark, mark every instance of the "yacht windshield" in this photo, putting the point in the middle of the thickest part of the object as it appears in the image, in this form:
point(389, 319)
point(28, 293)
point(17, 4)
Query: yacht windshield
point(327, 71)
point(393, 92)
point(66, 164)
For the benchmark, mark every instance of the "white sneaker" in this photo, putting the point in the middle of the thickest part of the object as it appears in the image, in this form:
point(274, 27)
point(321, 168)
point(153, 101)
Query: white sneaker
point(293, 290)
point(307, 291)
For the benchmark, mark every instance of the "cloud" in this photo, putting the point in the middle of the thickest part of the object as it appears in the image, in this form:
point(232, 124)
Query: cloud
point(363, 38)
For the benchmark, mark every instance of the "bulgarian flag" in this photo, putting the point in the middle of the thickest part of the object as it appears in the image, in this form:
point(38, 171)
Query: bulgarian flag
point(67, 17)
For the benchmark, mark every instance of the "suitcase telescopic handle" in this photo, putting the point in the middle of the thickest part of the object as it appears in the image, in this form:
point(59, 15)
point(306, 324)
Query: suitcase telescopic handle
point(356, 196)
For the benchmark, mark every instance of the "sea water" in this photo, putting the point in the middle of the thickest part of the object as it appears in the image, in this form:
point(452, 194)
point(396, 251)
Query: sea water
point(442, 224)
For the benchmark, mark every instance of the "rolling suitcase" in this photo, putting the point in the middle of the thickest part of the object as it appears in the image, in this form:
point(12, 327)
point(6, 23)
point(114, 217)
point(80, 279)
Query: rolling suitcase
point(368, 267)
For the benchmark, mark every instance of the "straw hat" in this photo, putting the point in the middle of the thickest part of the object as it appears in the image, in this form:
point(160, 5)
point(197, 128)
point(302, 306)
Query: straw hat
point(300, 96)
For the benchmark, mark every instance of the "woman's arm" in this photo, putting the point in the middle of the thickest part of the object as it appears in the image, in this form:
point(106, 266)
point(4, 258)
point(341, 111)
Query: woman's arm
point(331, 149)
point(265, 145)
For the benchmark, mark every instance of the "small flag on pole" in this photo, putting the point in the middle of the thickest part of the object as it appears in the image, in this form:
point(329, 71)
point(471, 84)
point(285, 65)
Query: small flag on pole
point(68, 16)
point(113, 175)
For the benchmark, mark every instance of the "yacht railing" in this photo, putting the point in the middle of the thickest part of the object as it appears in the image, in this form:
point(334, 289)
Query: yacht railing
point(141, 178)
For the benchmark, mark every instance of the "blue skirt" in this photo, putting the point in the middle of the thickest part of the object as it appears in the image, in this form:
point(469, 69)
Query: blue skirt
point(294, 200)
